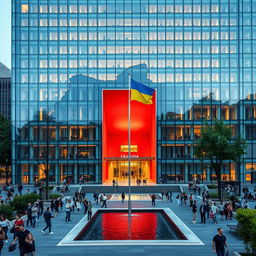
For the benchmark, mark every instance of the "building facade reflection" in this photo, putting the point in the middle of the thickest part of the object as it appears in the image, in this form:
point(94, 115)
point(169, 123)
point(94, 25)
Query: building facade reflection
point(199, 56)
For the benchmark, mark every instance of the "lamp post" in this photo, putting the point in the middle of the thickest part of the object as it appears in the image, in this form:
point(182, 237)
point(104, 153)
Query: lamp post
point(6, 170)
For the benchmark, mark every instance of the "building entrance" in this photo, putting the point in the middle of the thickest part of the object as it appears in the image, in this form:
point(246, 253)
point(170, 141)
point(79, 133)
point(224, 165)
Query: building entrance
point(118, 170)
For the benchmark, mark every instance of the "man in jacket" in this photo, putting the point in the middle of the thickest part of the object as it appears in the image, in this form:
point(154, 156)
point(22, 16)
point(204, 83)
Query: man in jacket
point(48, 220)
point(203, 210)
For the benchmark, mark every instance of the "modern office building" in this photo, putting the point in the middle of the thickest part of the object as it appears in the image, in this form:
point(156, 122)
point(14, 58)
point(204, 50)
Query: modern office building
point(71, 60)
point(5, 91)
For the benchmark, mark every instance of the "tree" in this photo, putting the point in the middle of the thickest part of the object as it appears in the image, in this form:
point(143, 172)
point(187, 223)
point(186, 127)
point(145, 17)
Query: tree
point(5, 143)
point(247, 229)
point(43, 162)
point(217, 145)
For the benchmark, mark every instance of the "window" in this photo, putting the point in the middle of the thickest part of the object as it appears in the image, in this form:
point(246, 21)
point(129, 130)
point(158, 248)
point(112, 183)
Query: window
point(43, 78)
point(73, 36)
point(63, 9)
point(63, 36)
point(63, 64)
point(53, 36)
point(24, 8)
point(63, 23)
point(178, 8)
point(215, 8)
point(53, 23)
point(83, 9)
point(196, 8)
point(24, 22)
point(73, 22)
point(43, 8)
point(53, 78)
point(53, 9)
point(43, 63)
point(205, 8)
point(73, 9)
point(53, 64)
point(43, 22)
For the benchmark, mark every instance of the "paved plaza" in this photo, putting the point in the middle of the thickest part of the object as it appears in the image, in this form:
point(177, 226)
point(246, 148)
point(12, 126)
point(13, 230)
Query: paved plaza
point(47, 244)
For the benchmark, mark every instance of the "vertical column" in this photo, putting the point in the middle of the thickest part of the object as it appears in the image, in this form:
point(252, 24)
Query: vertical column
point(75, 173)
point(31, 174)
point(186, 173)
point(97, 174)
point(208, 178)
point(57, 176)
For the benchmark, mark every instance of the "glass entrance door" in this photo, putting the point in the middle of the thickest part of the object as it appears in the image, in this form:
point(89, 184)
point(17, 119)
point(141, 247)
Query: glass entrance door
point(118, 170)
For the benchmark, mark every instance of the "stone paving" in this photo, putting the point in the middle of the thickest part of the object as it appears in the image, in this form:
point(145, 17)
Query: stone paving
point(46, 244)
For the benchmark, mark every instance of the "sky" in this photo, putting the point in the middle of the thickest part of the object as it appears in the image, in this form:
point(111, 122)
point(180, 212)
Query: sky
point(5, 32)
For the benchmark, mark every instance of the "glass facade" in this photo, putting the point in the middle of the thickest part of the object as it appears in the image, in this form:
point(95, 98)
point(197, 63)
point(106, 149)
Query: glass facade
point(199, 55)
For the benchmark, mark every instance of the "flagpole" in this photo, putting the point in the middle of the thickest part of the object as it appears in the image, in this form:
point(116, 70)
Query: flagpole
point(129, 148)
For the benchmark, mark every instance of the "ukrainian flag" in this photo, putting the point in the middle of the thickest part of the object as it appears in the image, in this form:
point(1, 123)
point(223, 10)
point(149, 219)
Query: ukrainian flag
point(141, 92)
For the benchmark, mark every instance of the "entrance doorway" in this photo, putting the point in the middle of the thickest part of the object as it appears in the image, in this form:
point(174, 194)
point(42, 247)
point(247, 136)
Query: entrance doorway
point(118, 170)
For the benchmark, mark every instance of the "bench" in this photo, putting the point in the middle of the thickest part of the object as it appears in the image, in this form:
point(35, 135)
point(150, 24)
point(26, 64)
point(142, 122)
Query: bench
point(233, 228)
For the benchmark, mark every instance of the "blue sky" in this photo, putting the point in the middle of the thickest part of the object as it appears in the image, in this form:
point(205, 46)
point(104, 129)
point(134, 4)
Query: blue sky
point(5, 30)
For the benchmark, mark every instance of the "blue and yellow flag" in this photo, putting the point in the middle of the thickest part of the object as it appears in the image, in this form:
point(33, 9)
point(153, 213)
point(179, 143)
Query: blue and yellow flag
point(141, 92)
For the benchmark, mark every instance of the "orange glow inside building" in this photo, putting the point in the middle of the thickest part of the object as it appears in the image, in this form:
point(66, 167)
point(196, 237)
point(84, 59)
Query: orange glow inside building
point(115, 138)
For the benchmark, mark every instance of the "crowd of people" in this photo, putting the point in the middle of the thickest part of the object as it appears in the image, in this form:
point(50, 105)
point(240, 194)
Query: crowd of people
point(203, 209)
point(17, 231)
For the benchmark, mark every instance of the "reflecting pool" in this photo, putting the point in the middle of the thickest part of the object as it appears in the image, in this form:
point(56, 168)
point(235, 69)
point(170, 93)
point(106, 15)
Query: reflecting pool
point(143, 225)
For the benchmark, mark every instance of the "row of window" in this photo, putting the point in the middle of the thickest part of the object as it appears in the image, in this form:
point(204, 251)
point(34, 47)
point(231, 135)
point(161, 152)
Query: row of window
point(171, 93)
point(152, 63)
point(128, 22)
point(83, 36)
point(187, 63)
point(214, 49)
point(128, 8)
point(155, 77)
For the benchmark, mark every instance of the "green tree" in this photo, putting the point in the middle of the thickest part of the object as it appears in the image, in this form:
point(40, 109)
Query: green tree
point(217, 145)
point(5, 143)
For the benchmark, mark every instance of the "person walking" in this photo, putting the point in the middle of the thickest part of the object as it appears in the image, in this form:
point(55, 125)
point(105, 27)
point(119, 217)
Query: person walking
point(21, 236)
point(194, 212)
point(68, 207)
point(29, 214)
point(17, 223)
point(85, 203)
point(153, 198)
point(219, 243)
point(78, 205)
point(170, 196)
point(104, 201)
point(34, 210)
point(191, 200)
point(48, 220)
point(123, 197)
point(20, 187)
point(89, 210)
point(2, 238)
point(5, 224)
point(202, 210)
point(29, 248)
point(214, 212)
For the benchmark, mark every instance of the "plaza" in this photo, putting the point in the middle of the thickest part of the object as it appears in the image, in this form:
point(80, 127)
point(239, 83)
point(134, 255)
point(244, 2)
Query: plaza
point(49, 245)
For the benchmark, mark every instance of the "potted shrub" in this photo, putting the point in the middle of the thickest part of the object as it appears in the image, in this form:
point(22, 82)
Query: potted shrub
point(247, 229)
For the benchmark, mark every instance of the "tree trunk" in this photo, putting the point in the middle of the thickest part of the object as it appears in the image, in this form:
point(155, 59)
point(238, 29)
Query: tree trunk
point(219, 185)
point(47, 184)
